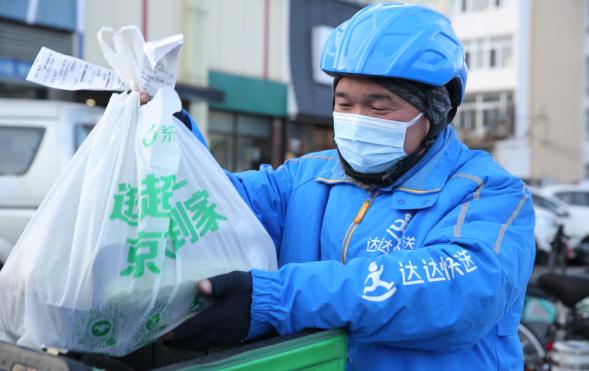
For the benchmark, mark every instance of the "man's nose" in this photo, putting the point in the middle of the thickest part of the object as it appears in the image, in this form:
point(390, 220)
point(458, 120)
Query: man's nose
point(360, 110)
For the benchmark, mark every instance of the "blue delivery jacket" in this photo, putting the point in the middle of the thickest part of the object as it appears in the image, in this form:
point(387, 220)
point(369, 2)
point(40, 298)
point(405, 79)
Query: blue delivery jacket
point(429, 274)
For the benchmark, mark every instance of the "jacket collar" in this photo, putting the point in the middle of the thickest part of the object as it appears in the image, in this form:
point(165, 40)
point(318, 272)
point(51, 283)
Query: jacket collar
point(420, 186)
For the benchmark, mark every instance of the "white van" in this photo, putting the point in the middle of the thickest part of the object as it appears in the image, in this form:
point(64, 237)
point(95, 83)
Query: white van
point(37, 139)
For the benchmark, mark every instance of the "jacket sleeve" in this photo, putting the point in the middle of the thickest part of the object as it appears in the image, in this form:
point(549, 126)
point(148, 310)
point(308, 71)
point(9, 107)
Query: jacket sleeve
point(266, 191)
point(485, 268)
point(187, 120)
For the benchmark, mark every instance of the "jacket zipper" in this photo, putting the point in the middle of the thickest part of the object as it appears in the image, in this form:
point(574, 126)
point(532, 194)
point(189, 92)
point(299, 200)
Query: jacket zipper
point(357, 220)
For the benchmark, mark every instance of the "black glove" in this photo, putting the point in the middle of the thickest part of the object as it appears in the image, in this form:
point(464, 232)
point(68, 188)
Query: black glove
point(225, 322)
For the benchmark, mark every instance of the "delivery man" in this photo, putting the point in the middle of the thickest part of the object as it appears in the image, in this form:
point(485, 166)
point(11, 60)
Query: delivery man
point(417, 246)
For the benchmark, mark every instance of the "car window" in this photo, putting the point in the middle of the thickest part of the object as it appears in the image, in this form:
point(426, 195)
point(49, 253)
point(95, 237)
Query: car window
point(18, 147)
point(583, 198)
point(81, 132)
point(545, 203)
point(565, 196)
point(577, 198)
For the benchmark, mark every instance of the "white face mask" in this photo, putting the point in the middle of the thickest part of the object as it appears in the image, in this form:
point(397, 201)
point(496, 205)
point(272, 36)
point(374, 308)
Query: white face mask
point(369, 144)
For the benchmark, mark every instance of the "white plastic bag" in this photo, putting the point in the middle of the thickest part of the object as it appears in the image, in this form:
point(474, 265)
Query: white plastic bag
point(110, 260)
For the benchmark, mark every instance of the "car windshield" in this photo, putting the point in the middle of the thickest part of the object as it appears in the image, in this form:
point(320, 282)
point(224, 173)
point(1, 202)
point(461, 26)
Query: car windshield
point(577, 198)
point(18, 147)
point(545, 203)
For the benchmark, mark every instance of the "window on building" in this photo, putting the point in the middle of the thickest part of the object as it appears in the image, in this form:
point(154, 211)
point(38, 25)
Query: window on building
point(493, 52)
point(503, 47)
point(238, 141)
point(222, 138)
point(466, 44)
point(254, 142)
point(477, 5)
point(490, 97)
point(490, 105)
point(467, 114)
point(462, 6)
point(492, 58)
point(506, 56)
point(476, 50)
point(467, 120)
point(489, 114)
point(479, 55)
point(305, 138)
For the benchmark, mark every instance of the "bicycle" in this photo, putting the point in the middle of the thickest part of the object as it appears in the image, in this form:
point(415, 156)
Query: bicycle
point(565, 292)
point(560, 252)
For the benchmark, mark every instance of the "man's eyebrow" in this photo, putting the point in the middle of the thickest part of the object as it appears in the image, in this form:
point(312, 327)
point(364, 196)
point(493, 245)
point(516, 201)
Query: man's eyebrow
point(373, 97)
point(368, 97)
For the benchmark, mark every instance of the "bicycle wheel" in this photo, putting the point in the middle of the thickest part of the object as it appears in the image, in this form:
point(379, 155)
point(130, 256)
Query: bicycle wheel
point(534, 353)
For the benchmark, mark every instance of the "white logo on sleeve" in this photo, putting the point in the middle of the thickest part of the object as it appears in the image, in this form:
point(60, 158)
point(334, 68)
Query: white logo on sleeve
point(394, 239)
point(375, 283)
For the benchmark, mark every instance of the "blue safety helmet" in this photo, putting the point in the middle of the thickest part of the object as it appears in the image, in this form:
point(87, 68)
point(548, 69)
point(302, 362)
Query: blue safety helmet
point(397, 40)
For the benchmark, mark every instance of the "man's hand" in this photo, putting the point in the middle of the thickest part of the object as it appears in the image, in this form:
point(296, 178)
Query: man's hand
point(225, 322)
point(144, 98)
point(180, 115)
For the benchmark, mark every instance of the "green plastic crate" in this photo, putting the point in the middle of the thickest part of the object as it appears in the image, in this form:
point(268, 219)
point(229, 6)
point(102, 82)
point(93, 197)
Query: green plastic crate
point(324, 350)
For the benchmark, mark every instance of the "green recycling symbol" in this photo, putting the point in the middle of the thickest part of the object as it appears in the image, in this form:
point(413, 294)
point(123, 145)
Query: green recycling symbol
point(152, 321)
point(98, 328)
point(155, 322)
point(101, 328)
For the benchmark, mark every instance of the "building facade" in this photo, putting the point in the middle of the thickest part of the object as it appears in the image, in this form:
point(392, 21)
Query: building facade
point(524, 98)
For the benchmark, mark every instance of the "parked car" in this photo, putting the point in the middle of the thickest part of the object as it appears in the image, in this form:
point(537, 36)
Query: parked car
point(550, 214)
point(37, 139)
point(576, 196)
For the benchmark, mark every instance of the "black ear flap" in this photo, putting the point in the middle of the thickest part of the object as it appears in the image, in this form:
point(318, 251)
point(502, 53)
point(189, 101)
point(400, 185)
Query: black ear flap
point(452, 113)
point(455, 90)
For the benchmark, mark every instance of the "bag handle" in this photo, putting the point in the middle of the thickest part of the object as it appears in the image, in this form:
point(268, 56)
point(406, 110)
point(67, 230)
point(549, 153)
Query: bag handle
point(123, 50)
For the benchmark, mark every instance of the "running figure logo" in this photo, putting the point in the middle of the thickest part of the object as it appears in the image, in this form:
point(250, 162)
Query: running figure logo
point(374, 277)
